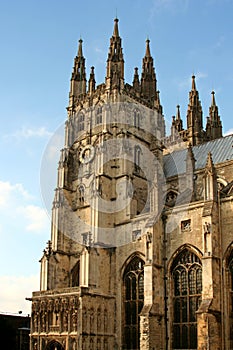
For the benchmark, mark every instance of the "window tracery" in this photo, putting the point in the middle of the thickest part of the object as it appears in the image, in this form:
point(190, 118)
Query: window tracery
point(133, 302)
point(81, 119)
point(187, 288)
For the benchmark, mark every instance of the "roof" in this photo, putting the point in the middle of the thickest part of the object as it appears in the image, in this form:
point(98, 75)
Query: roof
point(221, 150)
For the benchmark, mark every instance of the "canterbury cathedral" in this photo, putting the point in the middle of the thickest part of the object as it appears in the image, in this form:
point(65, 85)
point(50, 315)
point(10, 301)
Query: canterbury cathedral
point(140, 254)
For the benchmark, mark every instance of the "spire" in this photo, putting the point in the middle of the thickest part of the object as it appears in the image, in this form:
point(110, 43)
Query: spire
point(80, 48)
point(179, 123)
point(115, 61)
point(116, 30)
point(194, 116)
point(78, 77)
point(213, 103)
point(193, 83)
point(91, 82)
point(148, 77)
point(214, 124)
point(136, 82)
point(148, 48)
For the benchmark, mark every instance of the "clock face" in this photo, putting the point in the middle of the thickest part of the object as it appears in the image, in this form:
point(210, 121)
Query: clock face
point(87, 154)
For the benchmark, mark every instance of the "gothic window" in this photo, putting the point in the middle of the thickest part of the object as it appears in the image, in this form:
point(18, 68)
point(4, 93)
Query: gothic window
point(99, 115)
point(81, 195)
point(81, 122)
point(76, 275)
point(187, 287)
point(133, 302)
point(137, 158)
point(136, 118)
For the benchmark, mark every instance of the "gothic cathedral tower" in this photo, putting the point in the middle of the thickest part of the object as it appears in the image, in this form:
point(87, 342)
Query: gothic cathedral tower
point(140, 221)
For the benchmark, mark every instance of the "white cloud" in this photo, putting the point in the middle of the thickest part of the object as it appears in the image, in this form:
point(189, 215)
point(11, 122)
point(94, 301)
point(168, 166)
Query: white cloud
point(26, 133)
point(35, 217)
point(228, 132)
point(14, 291)
point(17, 206)
point(9, 192)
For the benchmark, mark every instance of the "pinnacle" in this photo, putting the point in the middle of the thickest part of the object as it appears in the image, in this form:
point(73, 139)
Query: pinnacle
point(80, 50)
point(115, 30)
point(148, 48)
point(193, 83)
point(213, 103)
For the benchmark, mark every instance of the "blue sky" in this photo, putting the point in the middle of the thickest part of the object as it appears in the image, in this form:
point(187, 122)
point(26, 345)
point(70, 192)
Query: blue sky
point(38, 43)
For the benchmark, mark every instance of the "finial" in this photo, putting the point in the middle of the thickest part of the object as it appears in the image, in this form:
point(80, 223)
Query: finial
point(193, 82)
point(115, 30)
point(178, 112)
point(80, 50)
point(147, 48)
point(213, 103)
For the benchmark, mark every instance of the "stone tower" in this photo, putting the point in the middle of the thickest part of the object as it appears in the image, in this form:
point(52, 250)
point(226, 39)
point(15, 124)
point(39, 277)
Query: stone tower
point(137, 241)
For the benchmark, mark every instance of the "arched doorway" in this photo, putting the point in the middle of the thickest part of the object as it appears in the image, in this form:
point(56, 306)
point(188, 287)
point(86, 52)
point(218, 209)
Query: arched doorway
point(54, 345)
point(133, 298)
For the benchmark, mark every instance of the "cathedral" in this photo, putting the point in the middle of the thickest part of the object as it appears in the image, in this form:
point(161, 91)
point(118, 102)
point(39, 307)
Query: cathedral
point(141, 247)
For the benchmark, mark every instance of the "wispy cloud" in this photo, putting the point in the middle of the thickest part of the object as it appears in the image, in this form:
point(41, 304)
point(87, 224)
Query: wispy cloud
point(16, 289)
point(173, 6)
point(187, 81)
point(29, 216)
point(26, 133)
point(9, 192)
point(35, 217)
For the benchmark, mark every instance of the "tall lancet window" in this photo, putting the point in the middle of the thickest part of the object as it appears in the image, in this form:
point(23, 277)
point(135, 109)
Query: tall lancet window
point(81, 120)
point(133, 297)
point(99, 115)
point(136, 118)
point(187, 288)
point(81, 195)
point(137, 158)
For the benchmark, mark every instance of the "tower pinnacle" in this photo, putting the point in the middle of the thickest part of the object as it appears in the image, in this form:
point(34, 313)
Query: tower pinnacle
point(193, 83)
point(115, 61)
point(148, 77)
point(213, 124)
point(194, 116)
point(116, 30)
point(78, 77)
point(148, 48)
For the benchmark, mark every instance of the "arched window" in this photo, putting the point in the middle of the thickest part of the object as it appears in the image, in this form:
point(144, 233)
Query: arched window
point(133, 282)
point(81, 122)
point(136, 118)
point(81, 195)
point(187, 287)
point(76, 275)
point(99, 115)
point(137, 158)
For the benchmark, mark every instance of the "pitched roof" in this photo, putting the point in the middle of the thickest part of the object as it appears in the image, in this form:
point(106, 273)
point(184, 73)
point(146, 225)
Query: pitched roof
point(221, 150)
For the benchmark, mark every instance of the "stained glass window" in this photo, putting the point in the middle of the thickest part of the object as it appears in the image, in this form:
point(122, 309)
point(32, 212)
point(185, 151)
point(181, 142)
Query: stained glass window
point(187, 287)
point(133, 302)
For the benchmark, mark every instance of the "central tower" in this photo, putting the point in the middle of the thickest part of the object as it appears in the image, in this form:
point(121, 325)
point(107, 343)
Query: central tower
point(99, 258)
